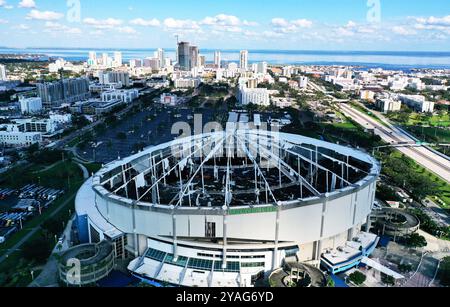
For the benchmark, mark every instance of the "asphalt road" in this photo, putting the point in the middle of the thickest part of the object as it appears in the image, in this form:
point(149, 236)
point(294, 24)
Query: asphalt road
point(422, 155)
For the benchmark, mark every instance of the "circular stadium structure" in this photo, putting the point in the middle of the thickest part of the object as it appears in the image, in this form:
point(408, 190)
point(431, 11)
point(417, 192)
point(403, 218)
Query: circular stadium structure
point(227, 208)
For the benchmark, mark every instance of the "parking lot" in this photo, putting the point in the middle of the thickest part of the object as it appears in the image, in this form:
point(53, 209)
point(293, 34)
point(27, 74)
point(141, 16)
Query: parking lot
point(149, 127)
point(17, 206)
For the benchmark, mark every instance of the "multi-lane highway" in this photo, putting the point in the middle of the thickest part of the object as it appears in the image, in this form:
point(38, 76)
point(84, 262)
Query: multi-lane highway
point(392, 135)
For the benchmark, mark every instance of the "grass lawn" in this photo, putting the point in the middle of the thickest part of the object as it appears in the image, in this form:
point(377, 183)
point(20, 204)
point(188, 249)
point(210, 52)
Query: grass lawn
point(58, 176)
point(93, 167)
point(443, 188)
point(433, 121)
point(18, 268)
point(442, 135)
point(368, 112)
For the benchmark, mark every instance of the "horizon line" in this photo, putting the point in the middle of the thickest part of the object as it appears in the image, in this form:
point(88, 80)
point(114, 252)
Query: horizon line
point(229, 49)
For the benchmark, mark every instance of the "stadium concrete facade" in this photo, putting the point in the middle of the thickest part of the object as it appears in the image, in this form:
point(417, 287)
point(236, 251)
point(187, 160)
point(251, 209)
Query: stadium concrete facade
point(227, 208)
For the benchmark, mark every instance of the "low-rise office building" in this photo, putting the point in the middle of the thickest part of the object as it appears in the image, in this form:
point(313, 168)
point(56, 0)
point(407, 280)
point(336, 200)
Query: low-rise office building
point(17, 138)
point(126, 96)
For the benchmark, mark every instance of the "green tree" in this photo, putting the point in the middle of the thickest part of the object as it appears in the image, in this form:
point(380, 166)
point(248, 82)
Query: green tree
point(53, 227)
point(388, 280)
point(357, 278)
point(416, 241)
point(37, 250)
point(121, 136)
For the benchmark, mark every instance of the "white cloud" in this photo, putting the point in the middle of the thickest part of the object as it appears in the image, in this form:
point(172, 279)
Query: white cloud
point(250, 23)
point(3, 21)
point(282, 25)
point(280, 22)
point(108, 23)
point(302, 23)
point(127, 30)
point(96, 33)
point(432, 23)
point(185, 24)
point(5, 5)
point(44, 15)
point(435, 21)
point(403, 31)
point(350, 24)
point(343, 31)
point(222, 20)
point(29, 4)
point(55, 27)
point(74, 31)
point(145, 23)
point(21, 27)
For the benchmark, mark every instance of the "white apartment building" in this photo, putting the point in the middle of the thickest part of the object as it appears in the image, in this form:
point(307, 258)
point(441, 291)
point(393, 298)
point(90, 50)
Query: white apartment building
point(262, 68)
point(416, 84)
point(64, 65)
point(32, 125)
point(3, 73)
point(134, 63)
point(397, 83)
point(218, 59)
point(418, 103)
point(121, 78)
point(60, 118)
point(118, 60)
point(388, 105)
point(258, 96)
point(31, 105)
point(219, 74)
point(288, 71)
point(126, 96)
point(243, 60)
point(367, 95)
point(187, 82)
point(303, 82)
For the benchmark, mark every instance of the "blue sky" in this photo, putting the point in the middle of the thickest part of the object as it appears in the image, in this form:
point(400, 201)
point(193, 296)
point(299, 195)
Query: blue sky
point(406, 25)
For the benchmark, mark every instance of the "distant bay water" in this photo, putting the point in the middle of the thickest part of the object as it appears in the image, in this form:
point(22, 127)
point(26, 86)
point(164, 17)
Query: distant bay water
point(396, 60)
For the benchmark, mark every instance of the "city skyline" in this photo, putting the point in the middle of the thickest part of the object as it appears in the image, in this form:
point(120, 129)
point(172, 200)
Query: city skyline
point(290, 25)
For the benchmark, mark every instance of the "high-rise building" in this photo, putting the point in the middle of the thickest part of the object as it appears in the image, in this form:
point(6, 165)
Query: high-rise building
point(135, 63)
point(115, 77)
point(31, 105)
point(243, 63)
point(184, 55)
point(160, 55)
point(118, 61)
point(2, 73)
point(54, 94)
point(201, 60)
point(218, 59)
point(193, 57)
point(258, 96)
point(262, 68)
point(92, 58)
point(167, 62)
point(153, 63)
point(105, 59)
point(303, 82)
